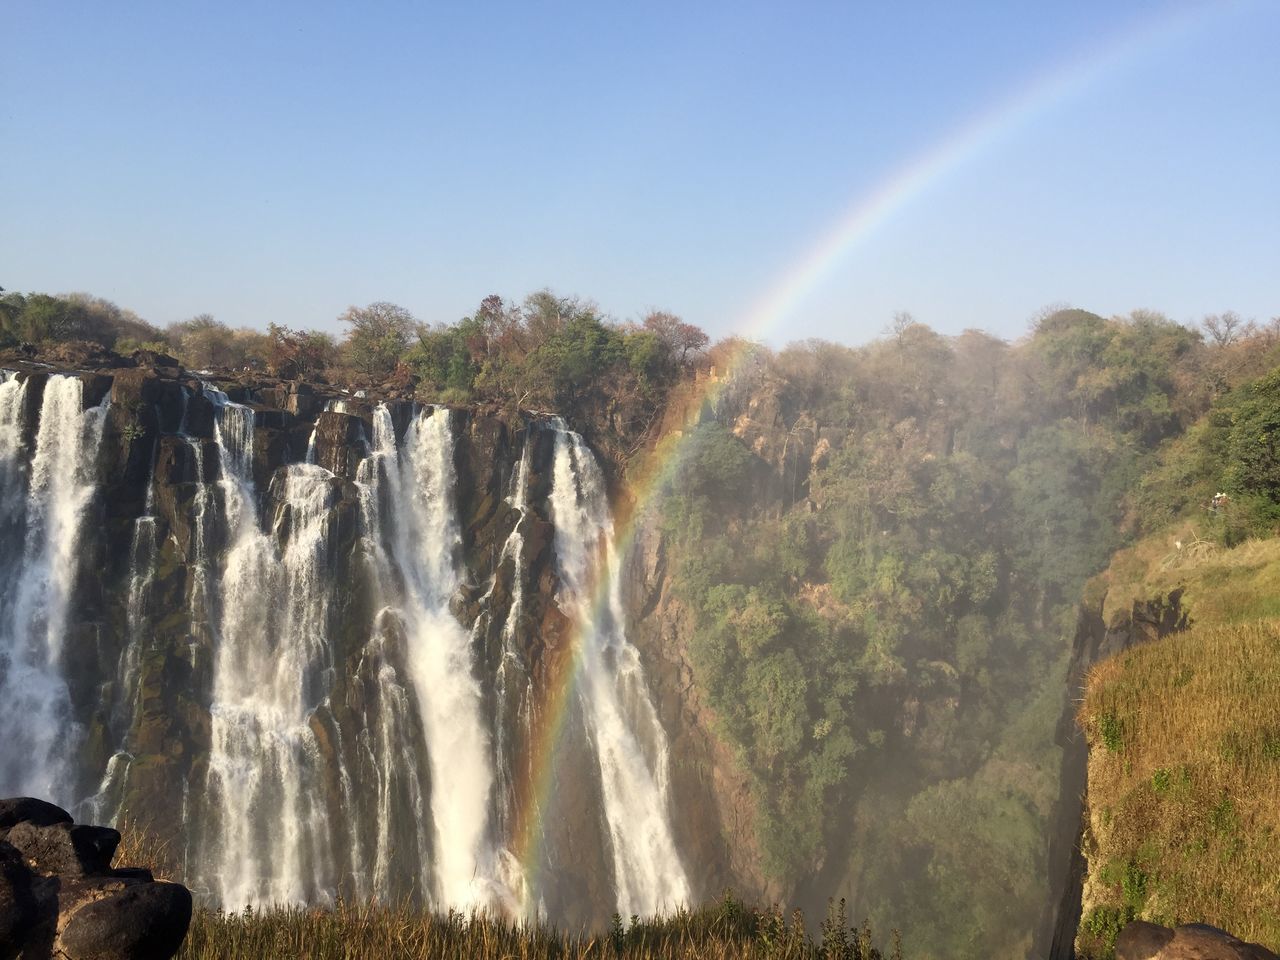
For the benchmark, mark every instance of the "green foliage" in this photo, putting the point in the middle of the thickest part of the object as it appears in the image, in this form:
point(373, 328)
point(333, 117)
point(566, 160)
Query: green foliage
point(1161, 781)
point(442, 357)
point(893, 640)
point(1101, 928)
point(1253, 443)
point(1111, 730)
point(378, 336)
point(39, 318)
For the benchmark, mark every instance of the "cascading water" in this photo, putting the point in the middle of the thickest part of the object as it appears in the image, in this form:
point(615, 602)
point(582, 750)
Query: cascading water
point(273, 842)
point(631, 746)
point(105, 804)
point(353, 713)
point(43, 515)
point(418, 574)
point(512, 684)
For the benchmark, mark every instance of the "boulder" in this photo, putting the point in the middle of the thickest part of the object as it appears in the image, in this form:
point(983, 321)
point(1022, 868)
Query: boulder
point(157, 361)
point(60, 896)
point(30, 810)
point(96, 387)
point(145, 921)
point(65, 849)
point(1193, 941)
point(340, 443)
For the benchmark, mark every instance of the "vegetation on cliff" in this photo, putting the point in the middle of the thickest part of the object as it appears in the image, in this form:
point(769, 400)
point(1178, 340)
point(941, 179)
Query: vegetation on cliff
point(886, 643)
point(1184, 733)
point(880, 550)
point(1184, 769)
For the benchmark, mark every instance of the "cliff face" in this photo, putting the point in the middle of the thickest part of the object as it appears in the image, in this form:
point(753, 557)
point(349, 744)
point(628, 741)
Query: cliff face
point(142, 655)
point(717, 822)
point(142, 663)
point(1095, 641)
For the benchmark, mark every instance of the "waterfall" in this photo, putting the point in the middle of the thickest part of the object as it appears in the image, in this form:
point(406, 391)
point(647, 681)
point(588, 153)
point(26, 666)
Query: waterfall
point(418, 571)
point(272, 841)
point(371, 709)
point(630, 744)
point(512, 685)
point(43, 510)
point(104, 806)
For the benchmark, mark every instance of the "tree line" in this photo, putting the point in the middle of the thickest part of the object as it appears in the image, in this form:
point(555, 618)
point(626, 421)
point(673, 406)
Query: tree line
point(545, 350)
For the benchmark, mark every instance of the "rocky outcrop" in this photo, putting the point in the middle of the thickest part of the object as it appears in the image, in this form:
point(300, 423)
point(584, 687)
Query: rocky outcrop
point(1193, 941)
point(1095, 640)
point(60, 896)
point(143, 626)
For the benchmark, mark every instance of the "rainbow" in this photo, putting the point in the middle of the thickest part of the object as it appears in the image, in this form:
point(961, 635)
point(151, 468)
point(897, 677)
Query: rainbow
point(853, 228)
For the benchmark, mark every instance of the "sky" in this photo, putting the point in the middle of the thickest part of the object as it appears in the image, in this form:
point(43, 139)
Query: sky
point(279, 162)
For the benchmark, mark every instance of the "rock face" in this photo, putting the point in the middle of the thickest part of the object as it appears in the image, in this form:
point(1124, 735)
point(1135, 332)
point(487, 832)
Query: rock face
point(1095, 640)
point(152, 610)
point(1194, 941)
point(60, 896)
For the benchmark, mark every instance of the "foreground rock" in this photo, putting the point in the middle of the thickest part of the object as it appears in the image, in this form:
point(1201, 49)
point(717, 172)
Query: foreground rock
point(60, 896)
point(1194, 941)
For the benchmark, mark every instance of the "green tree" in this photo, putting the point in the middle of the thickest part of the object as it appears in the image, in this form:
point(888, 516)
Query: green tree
point(379, 335)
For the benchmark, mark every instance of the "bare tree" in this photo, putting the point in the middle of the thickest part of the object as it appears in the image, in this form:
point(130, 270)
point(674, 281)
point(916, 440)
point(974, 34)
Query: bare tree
point(1225, 329)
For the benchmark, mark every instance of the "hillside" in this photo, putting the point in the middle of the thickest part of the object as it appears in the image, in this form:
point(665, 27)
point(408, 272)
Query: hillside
point(1182, 720)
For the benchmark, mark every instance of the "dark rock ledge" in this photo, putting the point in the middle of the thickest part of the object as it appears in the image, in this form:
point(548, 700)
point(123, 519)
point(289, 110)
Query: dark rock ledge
point(60, 897)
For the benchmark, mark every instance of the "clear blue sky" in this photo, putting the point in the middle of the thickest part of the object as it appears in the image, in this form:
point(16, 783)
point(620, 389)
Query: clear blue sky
point(280, 161)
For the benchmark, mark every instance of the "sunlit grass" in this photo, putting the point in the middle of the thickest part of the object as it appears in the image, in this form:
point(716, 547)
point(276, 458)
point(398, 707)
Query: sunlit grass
point(1220, 585)
point(356, 931)
point(1184, 776)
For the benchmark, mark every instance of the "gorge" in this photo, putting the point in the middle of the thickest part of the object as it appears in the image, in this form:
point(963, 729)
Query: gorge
point(584, 625)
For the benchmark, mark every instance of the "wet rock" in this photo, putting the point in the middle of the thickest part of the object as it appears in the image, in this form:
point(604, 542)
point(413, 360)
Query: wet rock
point(199, 416)
point(340, 443)
point(1194, 941)
point(300, 403)
point(96, 387)
point(144, 921)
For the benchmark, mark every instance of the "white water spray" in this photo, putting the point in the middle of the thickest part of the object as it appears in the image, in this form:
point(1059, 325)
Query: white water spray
point(631, 746)
point(41, 737)
point(419, 573)
point(266, 772)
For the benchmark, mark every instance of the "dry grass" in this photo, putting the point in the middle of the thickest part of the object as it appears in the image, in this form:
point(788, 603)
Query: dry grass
point(724, 931)
point(1220, 585)
point(140, 847)
point(1184, 781)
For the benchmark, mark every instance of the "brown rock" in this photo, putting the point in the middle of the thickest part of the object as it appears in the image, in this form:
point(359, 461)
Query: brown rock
point(1194, 941)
